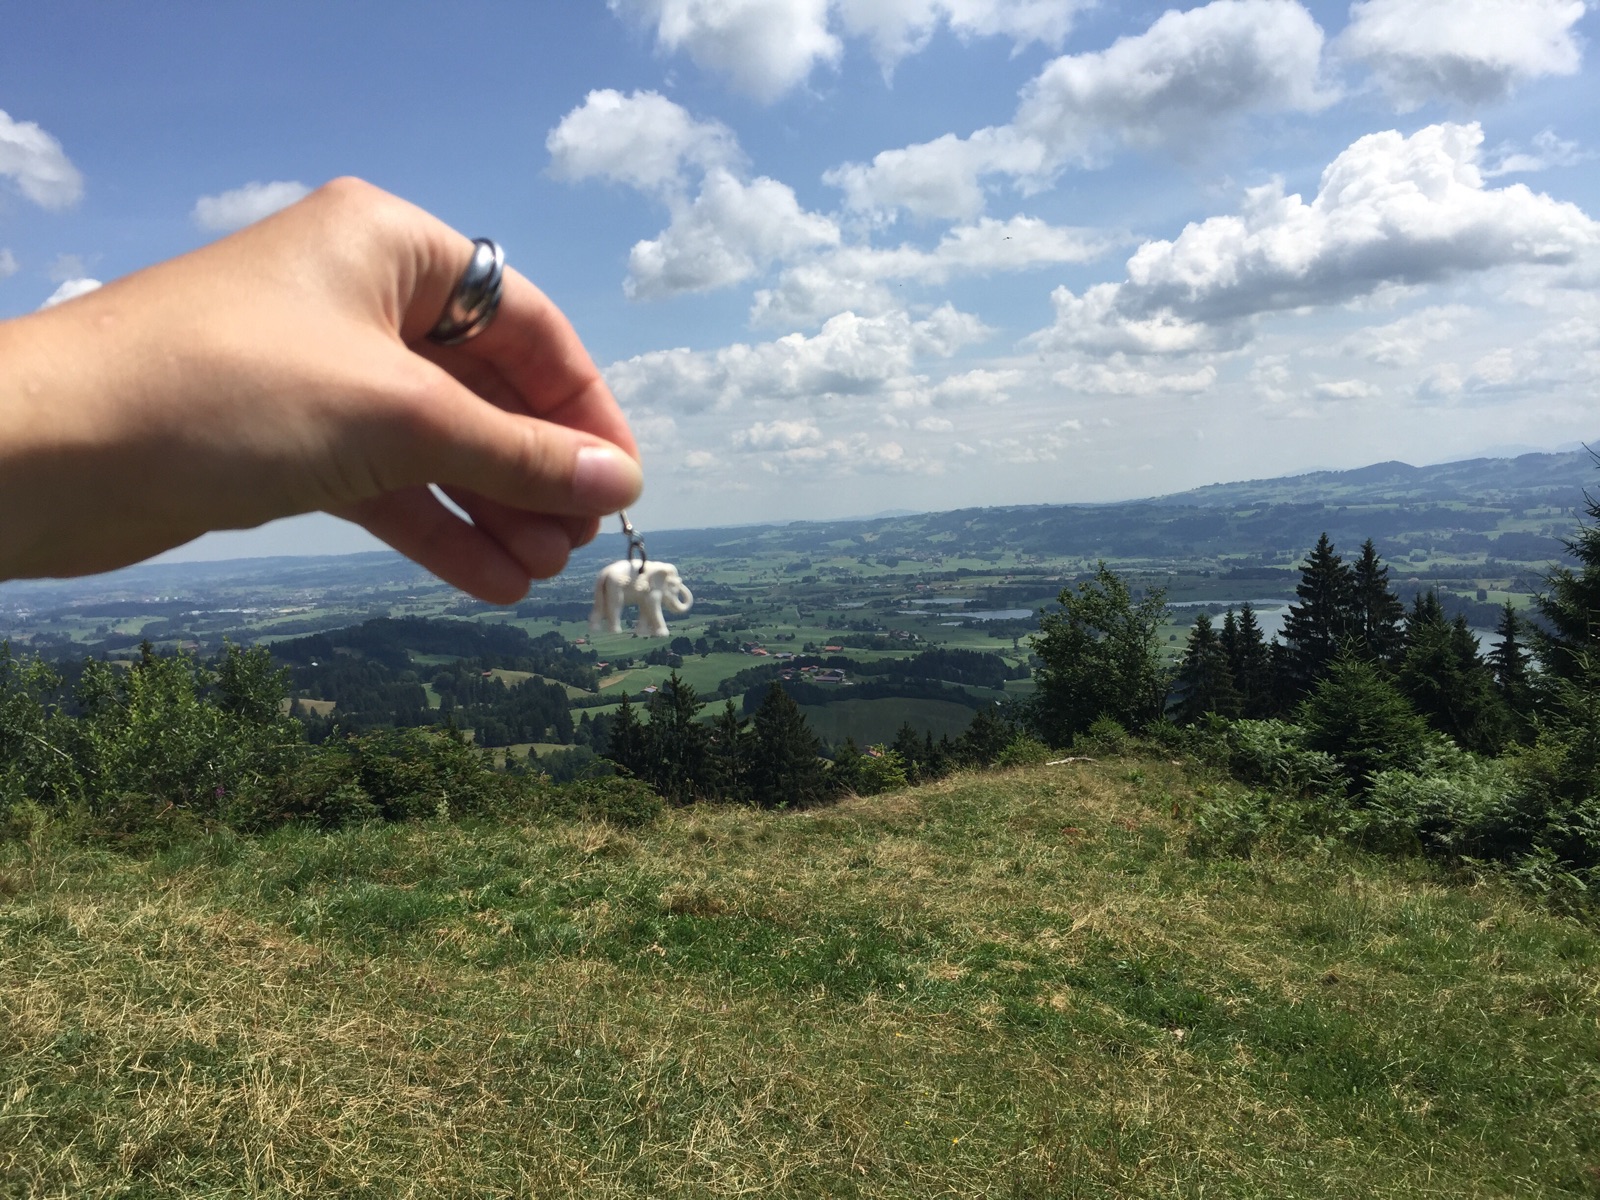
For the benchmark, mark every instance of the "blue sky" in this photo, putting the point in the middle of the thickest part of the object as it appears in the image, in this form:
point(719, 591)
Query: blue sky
point(842, 256)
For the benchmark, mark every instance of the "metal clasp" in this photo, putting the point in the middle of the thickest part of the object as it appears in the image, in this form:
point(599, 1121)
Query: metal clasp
point(635, 544)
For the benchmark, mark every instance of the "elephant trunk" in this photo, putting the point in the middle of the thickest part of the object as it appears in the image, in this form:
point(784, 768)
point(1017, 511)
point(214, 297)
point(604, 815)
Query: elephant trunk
point(677, 599)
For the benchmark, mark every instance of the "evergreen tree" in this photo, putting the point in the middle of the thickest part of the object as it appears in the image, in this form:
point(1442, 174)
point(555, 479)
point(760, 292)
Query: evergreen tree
point(984, 739)
point(1356, 715)
point(1447, 681)
point(1571, 608)
point(730, 755)
point(1317, 628)
point(625, 739)
point(678, 762)
point(1378, 611)
point(1204, 678)
point(1249, 661)
point(1508, 663)
point(1099, 657)
point(908, 745)
point(784, 769)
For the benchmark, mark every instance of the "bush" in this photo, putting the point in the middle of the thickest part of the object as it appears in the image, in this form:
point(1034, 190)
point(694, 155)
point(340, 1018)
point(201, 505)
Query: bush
point(1023, 751)
point(1105, 735)
point(615, 799)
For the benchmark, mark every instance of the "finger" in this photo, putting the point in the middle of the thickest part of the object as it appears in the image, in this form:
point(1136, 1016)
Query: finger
point(455, 439)
point(415, 523)
point(539, 543)
point(530, 345)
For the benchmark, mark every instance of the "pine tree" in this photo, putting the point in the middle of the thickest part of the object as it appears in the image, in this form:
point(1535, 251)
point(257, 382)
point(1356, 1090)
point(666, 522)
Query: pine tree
point(625, 739)
point(1508, 663)
point(1316, 629)
point(784, 769)
point(984, 739)
point(1571, 608)
point(730, 755)
point(1378, 611)
point(909, 747)
point(678, 762)
point(1448, 682)
point(1249, 661)
point(1204, 679)
point(1356, 715)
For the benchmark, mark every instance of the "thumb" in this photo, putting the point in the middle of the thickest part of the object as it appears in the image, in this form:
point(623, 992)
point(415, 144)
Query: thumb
point(522, 461)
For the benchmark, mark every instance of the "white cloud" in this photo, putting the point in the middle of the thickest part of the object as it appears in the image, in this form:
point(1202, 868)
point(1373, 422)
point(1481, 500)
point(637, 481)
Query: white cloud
point(851, 359)
point(977, 387)
point(1547, 151)
point(1390, 209)
point(38, 165)
point(1116, 378)
point(8, 263)
point(1468, 51)
point(699, 460)
point(780, 435)
point(935, 425)
point(245, 205)
point(1176, 86)
point(765, 47)
point(898, 28)
point(71, 289)
point(643, 140)
point(731, 231)
point(1402, 343)
point(1346, 389)
point(854, 277)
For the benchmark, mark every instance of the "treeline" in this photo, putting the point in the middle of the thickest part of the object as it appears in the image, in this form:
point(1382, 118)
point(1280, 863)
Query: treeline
point(1365, 719)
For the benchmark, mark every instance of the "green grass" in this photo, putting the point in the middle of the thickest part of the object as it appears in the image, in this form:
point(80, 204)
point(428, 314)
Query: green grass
point(1009, 985)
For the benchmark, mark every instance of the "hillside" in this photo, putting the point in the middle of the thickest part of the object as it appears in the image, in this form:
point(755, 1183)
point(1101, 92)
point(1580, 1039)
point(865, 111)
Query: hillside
point(1013, 984)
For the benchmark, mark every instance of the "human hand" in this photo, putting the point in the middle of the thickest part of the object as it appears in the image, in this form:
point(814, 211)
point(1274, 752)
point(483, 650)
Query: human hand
point(286, 369)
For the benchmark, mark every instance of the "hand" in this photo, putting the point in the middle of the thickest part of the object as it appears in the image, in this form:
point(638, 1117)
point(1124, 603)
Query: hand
point(286, 369)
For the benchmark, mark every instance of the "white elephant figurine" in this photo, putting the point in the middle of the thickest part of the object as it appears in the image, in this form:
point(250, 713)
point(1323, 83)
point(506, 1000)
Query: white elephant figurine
point(656, 587)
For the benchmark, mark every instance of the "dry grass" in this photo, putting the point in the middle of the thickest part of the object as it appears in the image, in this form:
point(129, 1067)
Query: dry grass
point(1001, 985)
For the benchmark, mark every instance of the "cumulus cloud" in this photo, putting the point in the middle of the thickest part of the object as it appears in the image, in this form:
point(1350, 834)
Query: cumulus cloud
point(1173, 87)
point(70, 289)
point(898, 28)
point(1402, 343)
point(1346, 389)
point(978, 387)
point(1390, 209)
point(731, 231)
point(768, 47)
point(642, 140)
point(37, 164)
point(1466, 51)
point(8, 263)
point(1547, 151)
point(245, 205)
point(852, 358)
point(764, 47)
point(1116, 378)
point(856, 277)
point(782, 435)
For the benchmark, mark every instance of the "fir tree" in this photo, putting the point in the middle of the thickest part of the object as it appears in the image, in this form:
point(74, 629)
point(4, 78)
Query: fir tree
point(1249, 661)
point(1356, 715)
point(1448, 682)
point(984, 739)
point(1571, 608)
point(1508, 663)
point(1317, 628)
point(625, 739)
point(1378, 611)
point(1204, 678)
point(678, 750)
point(785, 770)
point(908, 745)
point(730, 755)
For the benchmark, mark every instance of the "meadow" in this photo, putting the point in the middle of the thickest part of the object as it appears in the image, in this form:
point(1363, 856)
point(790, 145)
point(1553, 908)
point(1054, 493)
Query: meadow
point(1023, 983)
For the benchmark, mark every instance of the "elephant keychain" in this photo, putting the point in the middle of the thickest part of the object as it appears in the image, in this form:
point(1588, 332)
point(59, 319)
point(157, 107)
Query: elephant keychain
point(637, 580)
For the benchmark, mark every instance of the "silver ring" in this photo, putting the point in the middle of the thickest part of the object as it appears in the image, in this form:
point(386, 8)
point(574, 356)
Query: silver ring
point(476, 298)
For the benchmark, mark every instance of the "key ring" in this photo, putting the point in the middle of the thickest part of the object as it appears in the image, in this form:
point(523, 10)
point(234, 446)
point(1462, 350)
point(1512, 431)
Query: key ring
point(635, 542)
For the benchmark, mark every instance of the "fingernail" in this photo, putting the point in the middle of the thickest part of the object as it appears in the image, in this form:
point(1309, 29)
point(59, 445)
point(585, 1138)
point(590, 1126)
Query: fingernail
point(605, 480)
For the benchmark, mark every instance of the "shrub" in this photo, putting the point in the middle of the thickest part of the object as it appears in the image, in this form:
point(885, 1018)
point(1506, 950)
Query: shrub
point(1023, 751)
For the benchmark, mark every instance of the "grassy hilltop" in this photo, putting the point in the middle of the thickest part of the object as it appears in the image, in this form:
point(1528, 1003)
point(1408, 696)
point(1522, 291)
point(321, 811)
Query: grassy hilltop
point(1021, 983)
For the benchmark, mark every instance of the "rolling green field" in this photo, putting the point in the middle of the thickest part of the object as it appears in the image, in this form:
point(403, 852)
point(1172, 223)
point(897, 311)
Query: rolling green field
point(1015, 984)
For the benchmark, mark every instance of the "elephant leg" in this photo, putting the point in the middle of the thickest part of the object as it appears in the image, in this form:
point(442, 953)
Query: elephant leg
point(651, 622)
